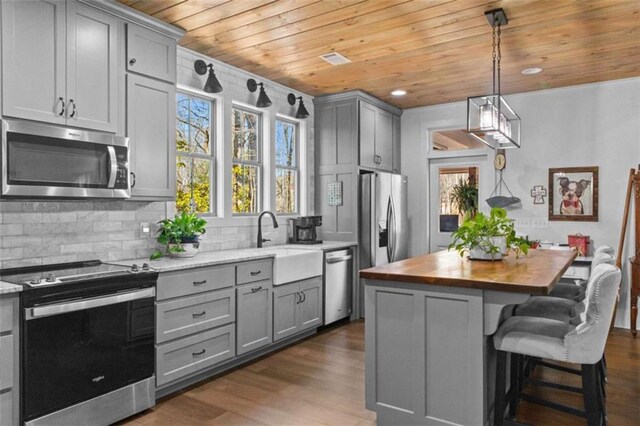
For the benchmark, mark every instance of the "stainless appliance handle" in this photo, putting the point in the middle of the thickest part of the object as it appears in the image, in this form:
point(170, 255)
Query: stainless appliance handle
point(62, 308)
point(113, 162)
point(388, 222)
point(339, 259)
point(392, 227)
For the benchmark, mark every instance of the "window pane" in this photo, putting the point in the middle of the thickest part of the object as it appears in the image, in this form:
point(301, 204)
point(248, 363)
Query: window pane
point(193, 186)
point(286, 191)
point(244, 189)
point(200, 121)
point(182, 130)
point(285, 143)
point(244, 135)
point(451, 213)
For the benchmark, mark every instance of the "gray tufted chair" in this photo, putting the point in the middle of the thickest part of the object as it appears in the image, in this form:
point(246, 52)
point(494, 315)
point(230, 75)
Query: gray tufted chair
point(582, 344)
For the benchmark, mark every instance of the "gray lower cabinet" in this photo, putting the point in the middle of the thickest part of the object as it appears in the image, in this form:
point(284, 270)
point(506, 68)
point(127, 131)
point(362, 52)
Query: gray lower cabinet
point(297, 307)
point(177, 359)
point(254, 316)
point(9, 355)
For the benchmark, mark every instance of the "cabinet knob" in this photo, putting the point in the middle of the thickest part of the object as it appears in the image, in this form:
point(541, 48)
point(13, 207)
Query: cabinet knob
point(132, 61)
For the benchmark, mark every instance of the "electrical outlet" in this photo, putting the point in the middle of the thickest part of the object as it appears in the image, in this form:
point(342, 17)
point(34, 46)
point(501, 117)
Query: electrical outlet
point(523, 222)
point(539, 222)
point(145, 228)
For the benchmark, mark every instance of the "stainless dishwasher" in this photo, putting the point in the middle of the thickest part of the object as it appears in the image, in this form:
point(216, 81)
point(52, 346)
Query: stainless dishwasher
point(338, 282)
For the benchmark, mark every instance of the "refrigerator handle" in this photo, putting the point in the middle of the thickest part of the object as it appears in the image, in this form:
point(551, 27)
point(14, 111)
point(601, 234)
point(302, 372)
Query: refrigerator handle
point(393, 235)
point(389, 237)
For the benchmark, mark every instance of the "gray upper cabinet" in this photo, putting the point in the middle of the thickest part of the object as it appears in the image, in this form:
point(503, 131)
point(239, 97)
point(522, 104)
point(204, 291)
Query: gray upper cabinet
point(60, 64)
point(151, 111)
point(254, 318)
point(376, 137)
point(396, 146)
point(151, 53)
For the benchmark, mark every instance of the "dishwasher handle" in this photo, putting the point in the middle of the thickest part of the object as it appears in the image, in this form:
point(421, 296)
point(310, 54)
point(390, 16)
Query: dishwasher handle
point(338, 259)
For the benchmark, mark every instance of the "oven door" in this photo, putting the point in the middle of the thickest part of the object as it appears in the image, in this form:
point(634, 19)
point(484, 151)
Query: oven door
point(47, 161)
point(74, 351)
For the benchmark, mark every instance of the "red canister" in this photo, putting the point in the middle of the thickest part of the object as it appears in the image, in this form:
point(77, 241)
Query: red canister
point(580, 243)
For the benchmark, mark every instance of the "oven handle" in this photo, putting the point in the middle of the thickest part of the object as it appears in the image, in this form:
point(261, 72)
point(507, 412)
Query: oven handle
point(113, 162)
point(63, 308)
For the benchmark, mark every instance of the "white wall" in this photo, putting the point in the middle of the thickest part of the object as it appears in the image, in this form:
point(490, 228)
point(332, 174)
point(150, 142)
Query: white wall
point(588, 125)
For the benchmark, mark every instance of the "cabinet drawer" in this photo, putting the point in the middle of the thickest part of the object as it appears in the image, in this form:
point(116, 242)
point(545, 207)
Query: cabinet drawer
point(181, 317)
point(178, 359)
point(6, 314)
point(6, 362)
point(254, 271)
point(151, 53)
point(192, 281)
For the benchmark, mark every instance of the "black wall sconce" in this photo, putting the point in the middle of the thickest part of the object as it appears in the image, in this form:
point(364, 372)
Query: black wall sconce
point(212, 85)
point(302, 111)
point(263, 99)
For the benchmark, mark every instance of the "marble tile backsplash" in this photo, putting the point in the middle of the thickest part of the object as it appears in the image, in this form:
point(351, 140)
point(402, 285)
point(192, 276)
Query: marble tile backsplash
point(45, 232)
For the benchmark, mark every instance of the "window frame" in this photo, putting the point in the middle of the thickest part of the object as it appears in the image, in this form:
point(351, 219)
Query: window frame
point(213, 145)
point(297, 168)
point(259, 163)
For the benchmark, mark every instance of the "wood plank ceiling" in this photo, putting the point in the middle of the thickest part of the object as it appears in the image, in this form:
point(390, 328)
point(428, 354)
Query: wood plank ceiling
point(437, 50)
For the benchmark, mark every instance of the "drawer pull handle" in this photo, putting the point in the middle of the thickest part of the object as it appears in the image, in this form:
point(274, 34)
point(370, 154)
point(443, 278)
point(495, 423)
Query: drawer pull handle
point(253, 290)
point(304, 297)
point(197, 283)
point(199, 353)
point(200, 314)
point(253, 274)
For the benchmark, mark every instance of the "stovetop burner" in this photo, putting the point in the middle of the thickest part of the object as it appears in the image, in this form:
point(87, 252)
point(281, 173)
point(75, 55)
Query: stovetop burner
point(63, 273)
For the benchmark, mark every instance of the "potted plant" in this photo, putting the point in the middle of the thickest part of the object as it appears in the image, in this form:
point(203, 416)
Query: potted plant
point(488, 237)
point(180, 235)
point(465, 196)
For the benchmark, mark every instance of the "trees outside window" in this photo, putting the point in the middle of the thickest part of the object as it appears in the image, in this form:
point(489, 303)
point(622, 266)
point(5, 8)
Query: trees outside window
point(246, 162)
point(195, 160)
point(287, 167)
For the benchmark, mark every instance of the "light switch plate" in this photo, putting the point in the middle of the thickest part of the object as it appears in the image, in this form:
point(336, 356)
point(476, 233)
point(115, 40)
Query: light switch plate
point(145, 228)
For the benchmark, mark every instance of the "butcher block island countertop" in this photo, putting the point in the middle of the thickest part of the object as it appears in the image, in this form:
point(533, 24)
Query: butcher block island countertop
point(429, 325)
point(536, 273)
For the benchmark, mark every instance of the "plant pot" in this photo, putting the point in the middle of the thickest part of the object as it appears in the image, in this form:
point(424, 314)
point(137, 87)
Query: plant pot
point(477, 253)
point(190, 249)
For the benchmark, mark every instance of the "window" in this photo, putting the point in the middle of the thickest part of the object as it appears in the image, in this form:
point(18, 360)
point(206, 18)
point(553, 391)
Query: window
point(457, 186)
point(195, 160)
point(246, 161)
point(287, 167)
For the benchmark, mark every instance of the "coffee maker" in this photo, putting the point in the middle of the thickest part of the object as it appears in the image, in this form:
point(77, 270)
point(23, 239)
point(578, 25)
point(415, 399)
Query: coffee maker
point(302, 230)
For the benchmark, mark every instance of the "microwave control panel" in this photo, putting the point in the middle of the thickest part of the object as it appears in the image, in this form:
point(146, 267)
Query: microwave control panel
point(122, 175)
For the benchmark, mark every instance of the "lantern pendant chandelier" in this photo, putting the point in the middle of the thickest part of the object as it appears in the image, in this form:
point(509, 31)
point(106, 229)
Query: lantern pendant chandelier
point(490, 119)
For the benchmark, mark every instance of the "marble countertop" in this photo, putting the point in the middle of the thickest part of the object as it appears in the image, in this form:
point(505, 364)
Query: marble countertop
point(211, 258)
point(6, 288)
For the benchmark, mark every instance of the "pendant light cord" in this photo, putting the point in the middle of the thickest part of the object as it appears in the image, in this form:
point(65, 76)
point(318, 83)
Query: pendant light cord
point(496, 54)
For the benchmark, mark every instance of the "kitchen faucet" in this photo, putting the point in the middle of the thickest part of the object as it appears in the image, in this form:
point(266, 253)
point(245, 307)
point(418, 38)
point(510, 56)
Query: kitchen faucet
point(275, 225)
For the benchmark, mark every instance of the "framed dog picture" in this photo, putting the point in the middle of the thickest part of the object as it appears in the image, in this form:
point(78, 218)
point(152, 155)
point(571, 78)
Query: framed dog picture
point(573, 194)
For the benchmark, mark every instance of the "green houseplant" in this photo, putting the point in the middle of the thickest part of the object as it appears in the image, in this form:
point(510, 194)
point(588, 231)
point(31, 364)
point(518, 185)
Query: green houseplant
point(465, 196)
point(488, 237)
point(180, 235)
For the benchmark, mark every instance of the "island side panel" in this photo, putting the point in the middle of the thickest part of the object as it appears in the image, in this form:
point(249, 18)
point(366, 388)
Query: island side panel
point(424, 354)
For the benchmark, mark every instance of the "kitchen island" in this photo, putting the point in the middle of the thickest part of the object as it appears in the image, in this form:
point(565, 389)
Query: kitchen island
point(429, 354)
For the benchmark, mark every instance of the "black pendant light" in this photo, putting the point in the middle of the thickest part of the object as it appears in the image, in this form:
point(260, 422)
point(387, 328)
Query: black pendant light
point(263, 99)
point(302, 111)
point(212, 85)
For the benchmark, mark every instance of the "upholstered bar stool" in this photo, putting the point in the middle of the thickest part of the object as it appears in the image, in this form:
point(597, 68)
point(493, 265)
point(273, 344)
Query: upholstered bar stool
point(576, 291)
point(550, 339)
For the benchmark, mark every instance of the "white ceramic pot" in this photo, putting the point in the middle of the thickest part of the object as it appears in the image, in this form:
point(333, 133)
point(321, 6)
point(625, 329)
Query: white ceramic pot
point(479, 254)
point(190, 249)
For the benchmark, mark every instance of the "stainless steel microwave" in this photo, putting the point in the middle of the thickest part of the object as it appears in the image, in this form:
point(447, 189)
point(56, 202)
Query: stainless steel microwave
point(43, 160)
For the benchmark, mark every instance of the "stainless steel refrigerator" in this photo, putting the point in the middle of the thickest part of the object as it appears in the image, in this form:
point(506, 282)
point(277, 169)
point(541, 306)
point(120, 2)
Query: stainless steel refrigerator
point(383, 233)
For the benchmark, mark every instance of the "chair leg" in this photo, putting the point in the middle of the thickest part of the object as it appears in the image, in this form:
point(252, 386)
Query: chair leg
point(602, 379)
point(590, 387)
point(514, 385)
point(499, 400)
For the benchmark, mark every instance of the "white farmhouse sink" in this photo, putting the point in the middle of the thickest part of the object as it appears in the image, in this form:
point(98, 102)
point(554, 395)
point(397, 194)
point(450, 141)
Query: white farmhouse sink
point(294, 264)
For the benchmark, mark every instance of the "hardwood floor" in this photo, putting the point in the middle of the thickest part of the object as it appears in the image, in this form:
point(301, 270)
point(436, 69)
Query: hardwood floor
point(320, 381)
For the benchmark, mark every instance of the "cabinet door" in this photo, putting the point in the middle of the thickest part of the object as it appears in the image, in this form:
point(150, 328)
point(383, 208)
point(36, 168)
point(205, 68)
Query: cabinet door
point(367, 135)
point(254, 318)
point(151, 53)
point(92, 66)
point(384, 139)
point(311, 304)
point(33, 60)
point(396, 144)
point(285, 311)
point(151, 117)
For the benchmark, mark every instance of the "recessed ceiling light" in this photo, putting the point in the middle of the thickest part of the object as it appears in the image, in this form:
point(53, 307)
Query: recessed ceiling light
point(399, 92)
point(531, 71)
point(334, 58)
